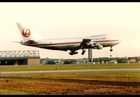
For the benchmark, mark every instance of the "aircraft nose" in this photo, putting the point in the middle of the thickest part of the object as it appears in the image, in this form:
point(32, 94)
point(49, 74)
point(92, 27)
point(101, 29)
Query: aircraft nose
point(119, 40)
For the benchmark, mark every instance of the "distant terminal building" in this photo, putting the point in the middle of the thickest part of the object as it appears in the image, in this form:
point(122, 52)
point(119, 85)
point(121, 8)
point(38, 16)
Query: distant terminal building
point(117, 60)
point(111, 60)
point(20, 57)
point(134, 59)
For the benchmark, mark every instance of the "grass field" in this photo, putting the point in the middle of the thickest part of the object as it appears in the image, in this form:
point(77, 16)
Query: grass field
point(90, 83)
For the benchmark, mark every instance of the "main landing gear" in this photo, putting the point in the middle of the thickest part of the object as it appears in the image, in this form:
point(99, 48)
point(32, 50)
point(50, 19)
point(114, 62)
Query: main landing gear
point(83, 52)
point(73, 52)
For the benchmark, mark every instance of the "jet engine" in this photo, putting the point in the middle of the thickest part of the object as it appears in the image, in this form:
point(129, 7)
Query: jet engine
point(100, 47)
point(96, 45)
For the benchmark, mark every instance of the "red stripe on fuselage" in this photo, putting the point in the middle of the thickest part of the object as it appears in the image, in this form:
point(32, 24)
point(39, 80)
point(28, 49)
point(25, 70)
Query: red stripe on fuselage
point(70, 42)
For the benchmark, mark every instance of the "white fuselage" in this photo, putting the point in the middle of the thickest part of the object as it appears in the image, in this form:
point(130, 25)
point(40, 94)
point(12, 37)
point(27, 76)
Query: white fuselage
point(106, 40)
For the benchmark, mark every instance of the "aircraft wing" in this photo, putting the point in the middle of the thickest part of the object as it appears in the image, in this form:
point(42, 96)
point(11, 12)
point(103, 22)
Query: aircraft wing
point(85, 43)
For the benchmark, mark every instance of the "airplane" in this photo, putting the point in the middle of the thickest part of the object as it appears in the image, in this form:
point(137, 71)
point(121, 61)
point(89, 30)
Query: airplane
point(72, 44)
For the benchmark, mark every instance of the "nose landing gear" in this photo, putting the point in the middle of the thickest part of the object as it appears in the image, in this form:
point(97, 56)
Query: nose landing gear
point(111, 49)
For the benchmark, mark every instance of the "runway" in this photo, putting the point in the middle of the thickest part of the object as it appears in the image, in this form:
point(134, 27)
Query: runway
point(69, 71)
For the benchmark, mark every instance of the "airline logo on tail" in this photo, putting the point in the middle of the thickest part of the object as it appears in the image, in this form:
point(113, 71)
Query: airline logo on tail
point(26, 32)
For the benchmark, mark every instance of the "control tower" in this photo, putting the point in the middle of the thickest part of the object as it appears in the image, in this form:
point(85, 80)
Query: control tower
point(90, 55)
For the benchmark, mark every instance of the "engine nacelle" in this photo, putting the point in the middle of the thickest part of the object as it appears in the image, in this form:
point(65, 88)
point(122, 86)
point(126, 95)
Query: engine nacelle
point(94, 45)
point(97, 46)
point(100, 47)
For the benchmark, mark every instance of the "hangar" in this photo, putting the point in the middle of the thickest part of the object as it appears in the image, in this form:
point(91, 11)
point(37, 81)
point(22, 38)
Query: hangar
point(20, 57)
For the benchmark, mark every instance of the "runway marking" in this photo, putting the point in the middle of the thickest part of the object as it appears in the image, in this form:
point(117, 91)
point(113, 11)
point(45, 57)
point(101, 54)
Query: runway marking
point(70, 71)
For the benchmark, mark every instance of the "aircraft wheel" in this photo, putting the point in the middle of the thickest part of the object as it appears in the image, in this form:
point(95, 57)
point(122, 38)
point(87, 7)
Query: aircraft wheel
point(111, 50)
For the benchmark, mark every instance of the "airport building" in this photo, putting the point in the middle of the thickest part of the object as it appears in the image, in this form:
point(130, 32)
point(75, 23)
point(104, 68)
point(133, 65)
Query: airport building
point(20, 57)
point(117, 60)
point(104, 60)
point(134, 59)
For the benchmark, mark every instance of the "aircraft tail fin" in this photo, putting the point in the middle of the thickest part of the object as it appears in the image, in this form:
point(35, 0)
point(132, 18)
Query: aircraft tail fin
point(25, 32)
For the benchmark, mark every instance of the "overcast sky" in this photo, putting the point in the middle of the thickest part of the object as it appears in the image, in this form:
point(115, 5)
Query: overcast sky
point(65, 20)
